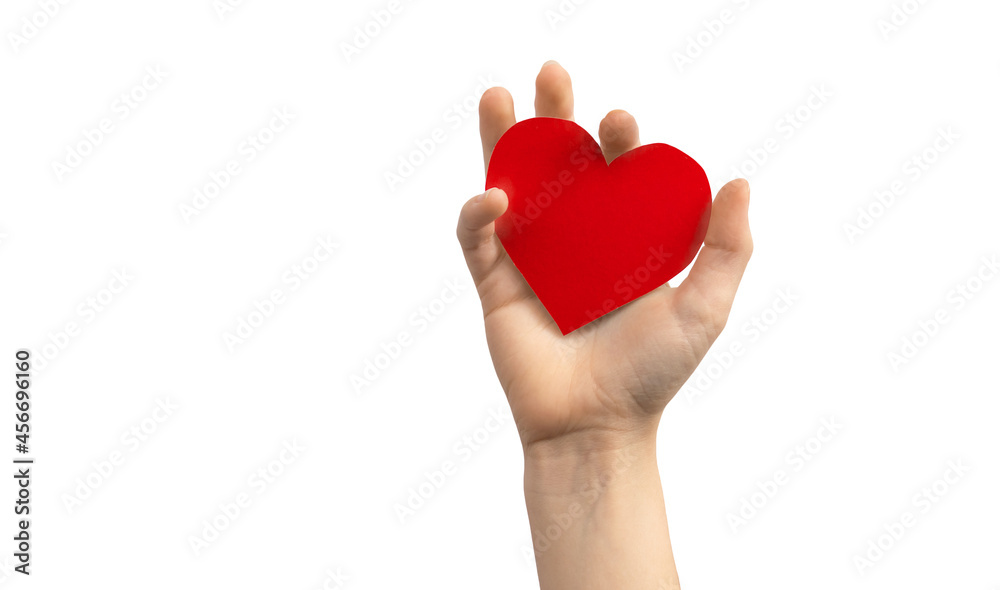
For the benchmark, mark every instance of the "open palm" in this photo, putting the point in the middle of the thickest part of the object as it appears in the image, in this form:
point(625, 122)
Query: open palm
point(616, 374)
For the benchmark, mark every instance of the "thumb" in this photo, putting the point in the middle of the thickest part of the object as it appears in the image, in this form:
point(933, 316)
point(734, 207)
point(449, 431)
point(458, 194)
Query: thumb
point(710, 287)
point(476, 231)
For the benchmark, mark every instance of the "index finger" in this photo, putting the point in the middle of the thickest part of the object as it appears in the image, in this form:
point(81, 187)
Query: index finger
point(496, 116)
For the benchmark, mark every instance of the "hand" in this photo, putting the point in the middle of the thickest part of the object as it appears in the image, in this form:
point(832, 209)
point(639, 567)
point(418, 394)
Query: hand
point(610, 380)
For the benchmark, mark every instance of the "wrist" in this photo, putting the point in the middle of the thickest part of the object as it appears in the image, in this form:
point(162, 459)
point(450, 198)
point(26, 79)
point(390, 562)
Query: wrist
point(585, 463)
point(596, 511)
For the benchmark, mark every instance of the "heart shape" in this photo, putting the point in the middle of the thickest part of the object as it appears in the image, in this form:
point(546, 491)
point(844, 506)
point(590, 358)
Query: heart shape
point(589, 237)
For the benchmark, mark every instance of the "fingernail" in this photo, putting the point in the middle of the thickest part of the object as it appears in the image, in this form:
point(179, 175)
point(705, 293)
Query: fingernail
point(550, 62)
point(483, 196)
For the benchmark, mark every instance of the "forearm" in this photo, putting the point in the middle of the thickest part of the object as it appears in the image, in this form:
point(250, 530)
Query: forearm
point(597, 515)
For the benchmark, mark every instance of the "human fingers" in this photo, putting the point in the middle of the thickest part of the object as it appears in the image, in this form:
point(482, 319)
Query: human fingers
point(710, 287)
point(496, 116)
point(619, 133)
point(553, 92)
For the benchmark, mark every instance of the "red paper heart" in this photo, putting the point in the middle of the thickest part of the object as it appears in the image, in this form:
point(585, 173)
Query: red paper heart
point(589, 237)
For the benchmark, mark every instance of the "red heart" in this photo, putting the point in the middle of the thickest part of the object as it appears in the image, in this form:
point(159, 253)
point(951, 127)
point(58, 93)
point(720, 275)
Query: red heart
point(589, 237)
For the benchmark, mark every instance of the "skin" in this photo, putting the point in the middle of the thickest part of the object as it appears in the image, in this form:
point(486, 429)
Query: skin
point(587, 405)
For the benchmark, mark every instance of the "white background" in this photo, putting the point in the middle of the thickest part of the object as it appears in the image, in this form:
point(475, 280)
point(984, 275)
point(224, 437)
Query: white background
point(827, 355)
